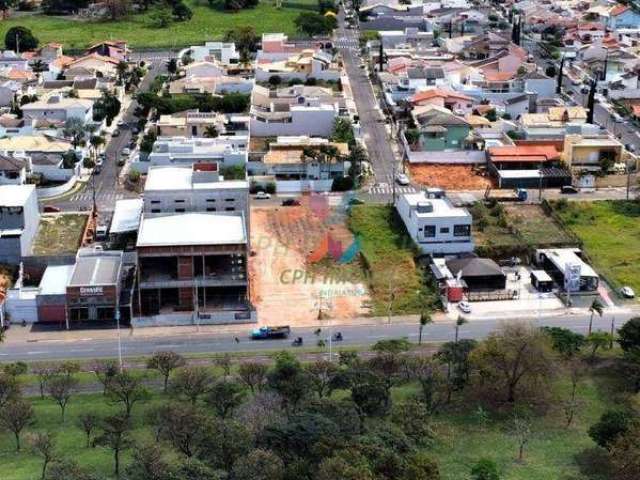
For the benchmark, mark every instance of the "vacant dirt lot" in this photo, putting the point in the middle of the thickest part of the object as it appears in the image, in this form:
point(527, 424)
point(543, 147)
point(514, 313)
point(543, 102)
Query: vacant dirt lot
point(449, 177)
point(286, 288)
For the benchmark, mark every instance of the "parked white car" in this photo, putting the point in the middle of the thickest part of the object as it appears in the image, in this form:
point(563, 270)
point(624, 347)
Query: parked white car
point(464, 306)
point(262, 196)
point(627, 292)
point(402, 179)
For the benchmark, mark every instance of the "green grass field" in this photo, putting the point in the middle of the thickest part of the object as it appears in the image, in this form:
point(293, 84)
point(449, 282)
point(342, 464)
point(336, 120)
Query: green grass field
point(389, 257)
point(207, 23)
point(610, 231)
point(461, 436)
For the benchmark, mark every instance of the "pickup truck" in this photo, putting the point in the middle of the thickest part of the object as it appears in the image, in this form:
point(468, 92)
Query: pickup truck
point(517, 195)
point(267, 333)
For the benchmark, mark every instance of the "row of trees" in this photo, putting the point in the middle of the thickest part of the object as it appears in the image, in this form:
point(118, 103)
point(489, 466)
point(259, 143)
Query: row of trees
point(205, 102)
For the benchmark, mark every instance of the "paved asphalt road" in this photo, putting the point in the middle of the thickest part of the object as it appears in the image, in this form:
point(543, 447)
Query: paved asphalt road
point(374, 132)
point(89, 348)
point(107, 188)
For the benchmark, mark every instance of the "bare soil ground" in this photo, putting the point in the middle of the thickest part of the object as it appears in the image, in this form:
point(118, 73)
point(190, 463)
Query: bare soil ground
point(449, 177)
point(282, 239)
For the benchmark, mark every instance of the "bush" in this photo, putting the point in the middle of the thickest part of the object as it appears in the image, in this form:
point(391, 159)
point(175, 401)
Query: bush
point(134, 176)
point(612, 424)
point(270, 187)
point(24, 36)
point(88, 162)
point(275, 80)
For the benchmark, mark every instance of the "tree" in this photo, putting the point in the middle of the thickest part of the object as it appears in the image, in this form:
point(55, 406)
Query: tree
point(191, 382)
point(127, 389)
point(60, 387)
point(74, 128)
point(428, 373)
point(181, 12)
point(182, 425)
point(322, 374)
point(485, 469)
point(253, 375)
point(5, 6)
point(43, 371)
point(624, 455)
point(521, 430)
point(224, 397)
point(122, 69)
point(67, 469)
point(560, 76)
point(342, 131)
point(288, 379)
point(596, 307)
point(161, 17)
point(415, 421)
point(15, 369)
point(354, 467)
point(115, 437)
point(612, 424)
point(43, 445)
point(9, 389)
point(117, 9)
point(425, 319)
point(259, 464)
point(15, 416)
point(225, 441)
point(96, 141)
point(371, 399)
point(459, 322)
point(420, 466)
point(245, 38)
point(629, 335)
point(165, 362)
point(210, 131)
point(106, 107)
point(576, 371)
point(105, 371)
point(310, 23)
point(516, 354)
point(149, 464)
point(598, 340)
point(564, 341)
point(172, 66)
point(20, 39)
point(88, 422)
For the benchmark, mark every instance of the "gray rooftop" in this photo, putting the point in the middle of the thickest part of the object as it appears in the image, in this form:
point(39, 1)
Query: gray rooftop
point(98, 268)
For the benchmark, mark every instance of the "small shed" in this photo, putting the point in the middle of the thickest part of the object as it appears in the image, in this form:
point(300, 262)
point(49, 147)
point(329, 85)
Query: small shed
point(478, 273)
point(541, 281)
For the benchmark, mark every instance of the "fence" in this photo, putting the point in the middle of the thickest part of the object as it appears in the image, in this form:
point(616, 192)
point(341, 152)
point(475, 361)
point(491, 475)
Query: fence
point(49, 192)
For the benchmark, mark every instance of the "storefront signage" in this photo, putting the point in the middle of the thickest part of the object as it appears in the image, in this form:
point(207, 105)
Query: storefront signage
point(91, 291)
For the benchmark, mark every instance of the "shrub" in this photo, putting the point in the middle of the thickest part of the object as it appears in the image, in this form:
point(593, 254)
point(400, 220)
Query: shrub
point(342, 184)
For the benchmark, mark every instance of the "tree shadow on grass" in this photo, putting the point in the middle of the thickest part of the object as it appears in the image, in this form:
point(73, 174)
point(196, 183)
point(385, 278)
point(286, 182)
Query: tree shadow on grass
point(594, 464)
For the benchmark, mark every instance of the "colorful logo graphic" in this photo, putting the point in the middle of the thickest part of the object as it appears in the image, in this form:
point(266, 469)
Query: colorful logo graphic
point(329, 246)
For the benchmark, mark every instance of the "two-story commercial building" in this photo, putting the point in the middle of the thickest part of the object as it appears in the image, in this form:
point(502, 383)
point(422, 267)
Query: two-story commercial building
point(435, 224)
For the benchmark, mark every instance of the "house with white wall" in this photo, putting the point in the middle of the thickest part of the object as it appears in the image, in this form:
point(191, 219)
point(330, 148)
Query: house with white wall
point(19, 218)
point(222, 52)
point(59, 108)
point(435, 224)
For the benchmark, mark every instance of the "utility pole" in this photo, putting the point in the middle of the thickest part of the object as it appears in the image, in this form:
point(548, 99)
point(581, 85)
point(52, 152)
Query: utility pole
point(628, 180)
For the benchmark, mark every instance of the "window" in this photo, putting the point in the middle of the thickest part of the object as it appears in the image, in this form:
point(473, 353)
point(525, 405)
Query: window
point(211, 200)
point(156, 210)
point(461, 230)
point(444, 230)
point(429, 231)
point(211, 209)
point(230, 209)
point(155, 202)
point(179, 210)
point(179, 201)
point(229, 199)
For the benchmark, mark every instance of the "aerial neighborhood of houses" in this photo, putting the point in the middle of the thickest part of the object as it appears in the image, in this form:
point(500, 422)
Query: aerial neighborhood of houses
point(185, 189)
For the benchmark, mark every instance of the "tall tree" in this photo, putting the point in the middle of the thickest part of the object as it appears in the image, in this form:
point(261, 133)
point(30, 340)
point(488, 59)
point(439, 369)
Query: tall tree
point(165, 362)
point(127, 389)
point(288, 379)
point(322, 374)
point(88, 422)
point(191, 382)
point(560, 77)
point(115, 437)
point(15, 416)
point(60, 388)
point(20, 39)
point(591, 101)
point(182, 425)
point(43, 445)
point(596, 307)
point(224, 397)
point(425, 319)
point(253, 375)
point(105, 371)
point(75, 129)
point(514, 356)
point(259, 464)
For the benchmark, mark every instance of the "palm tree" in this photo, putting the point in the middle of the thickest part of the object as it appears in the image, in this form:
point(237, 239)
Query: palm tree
point(96, 141)
point(425, 319)
point(596, 307)
point(122, 69)
point(210, 131)
point(459, 322)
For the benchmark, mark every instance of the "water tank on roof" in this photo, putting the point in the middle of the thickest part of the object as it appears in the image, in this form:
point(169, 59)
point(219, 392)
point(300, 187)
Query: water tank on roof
point(424, 207)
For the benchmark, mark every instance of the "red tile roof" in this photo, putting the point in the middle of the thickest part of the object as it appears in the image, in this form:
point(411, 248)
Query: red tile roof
point(618, 9)
point(521, 153)
point(437, 93)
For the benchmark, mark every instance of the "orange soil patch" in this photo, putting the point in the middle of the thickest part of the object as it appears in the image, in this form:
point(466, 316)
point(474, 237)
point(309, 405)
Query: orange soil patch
point(282, 238)
point(449, 177)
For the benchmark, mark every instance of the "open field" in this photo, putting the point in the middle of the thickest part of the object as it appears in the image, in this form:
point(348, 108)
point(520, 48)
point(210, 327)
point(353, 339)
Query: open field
point(396, 282)
point(59, 234)
point(534, 225)
point(449, 177)
point(207, 23)
point(610, 231)
point(287, 286)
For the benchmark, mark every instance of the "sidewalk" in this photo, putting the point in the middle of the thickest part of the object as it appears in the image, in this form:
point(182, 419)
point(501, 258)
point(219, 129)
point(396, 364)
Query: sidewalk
point(18, 334)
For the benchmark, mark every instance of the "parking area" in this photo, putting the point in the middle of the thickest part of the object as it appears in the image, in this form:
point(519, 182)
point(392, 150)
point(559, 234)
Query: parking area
point(528, 302)
point(295, 281)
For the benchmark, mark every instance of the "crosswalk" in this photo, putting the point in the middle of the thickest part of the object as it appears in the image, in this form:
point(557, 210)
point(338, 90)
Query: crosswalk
point(347, 43)
point(387, 189)
point(86, 196)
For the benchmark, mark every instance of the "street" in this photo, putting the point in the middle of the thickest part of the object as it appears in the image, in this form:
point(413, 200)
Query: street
point(107, 187)
point(206, 343)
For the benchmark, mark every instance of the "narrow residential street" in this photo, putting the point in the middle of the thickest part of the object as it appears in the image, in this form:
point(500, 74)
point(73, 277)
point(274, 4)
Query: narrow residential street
point(107, 187)
point(372, 120)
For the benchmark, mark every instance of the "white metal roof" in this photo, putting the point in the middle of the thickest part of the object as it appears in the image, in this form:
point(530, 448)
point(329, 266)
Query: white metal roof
point(441, 206)
point(15, 195)
point(180, 178)
point(55, 279)
point(192, 229)
point(563, 256)
point(126, 215)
